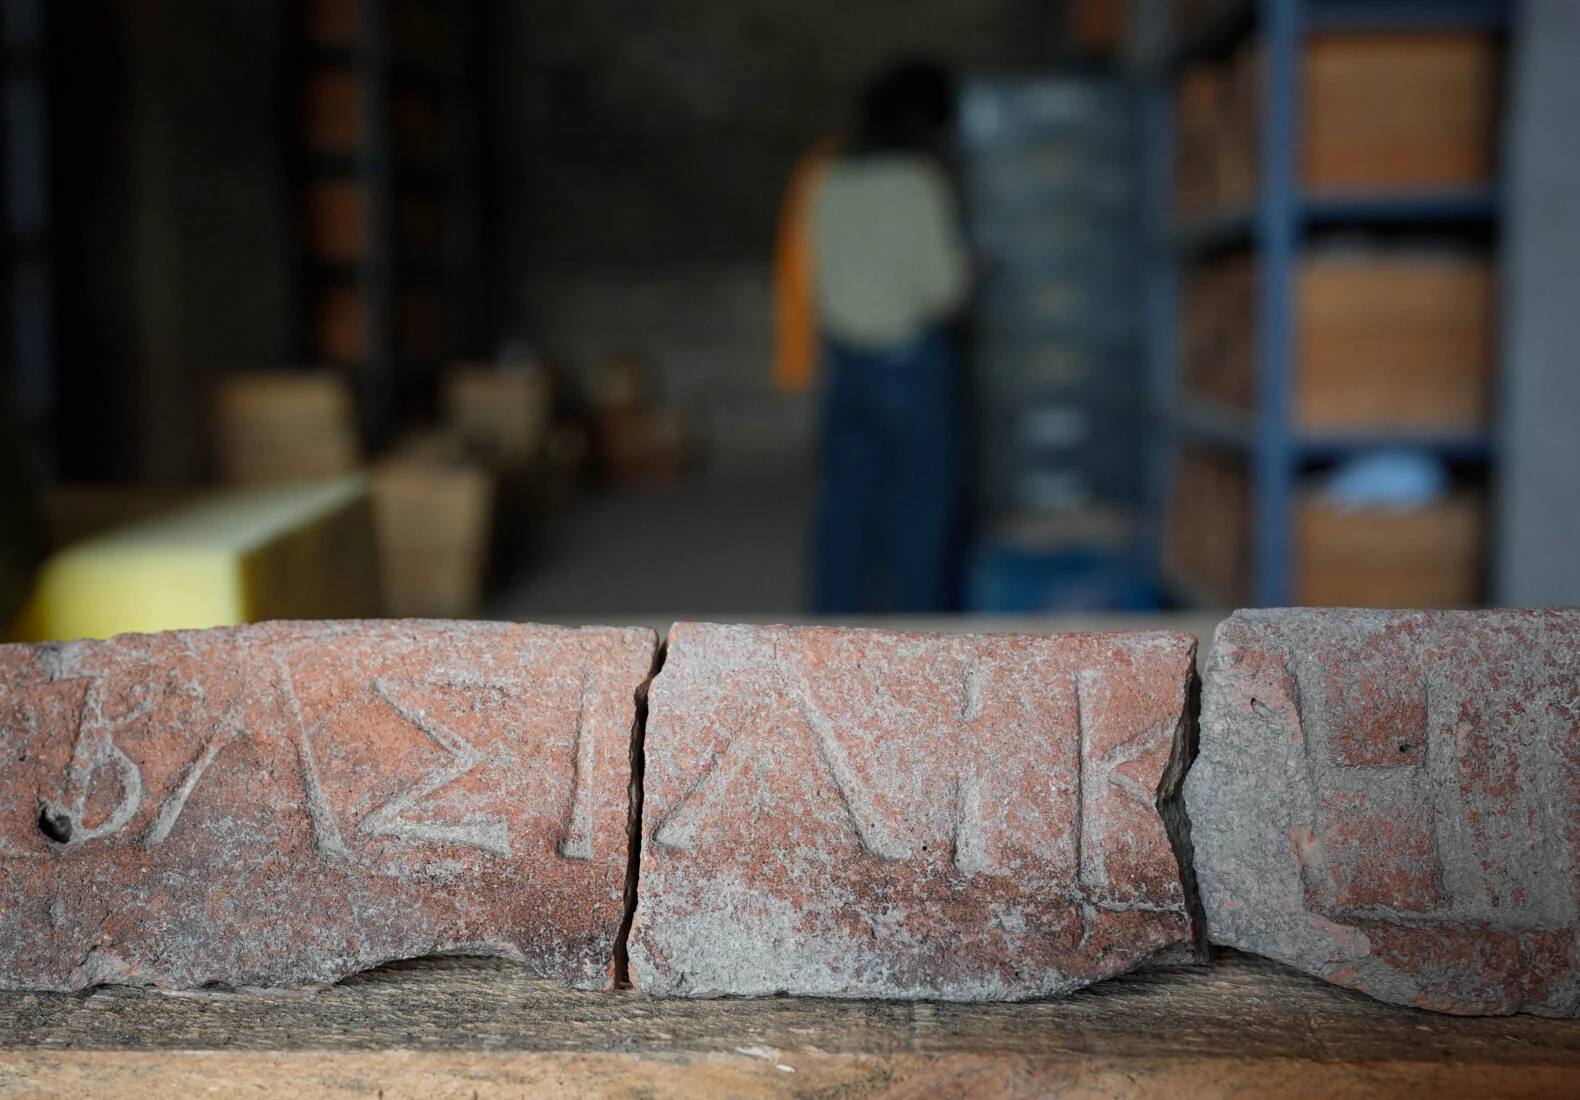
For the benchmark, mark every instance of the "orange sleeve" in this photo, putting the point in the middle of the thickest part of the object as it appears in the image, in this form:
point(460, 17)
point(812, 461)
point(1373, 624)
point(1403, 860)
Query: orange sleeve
point(795, 310)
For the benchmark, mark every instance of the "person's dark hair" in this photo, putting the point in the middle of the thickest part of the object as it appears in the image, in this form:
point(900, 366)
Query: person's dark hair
point(909, 105)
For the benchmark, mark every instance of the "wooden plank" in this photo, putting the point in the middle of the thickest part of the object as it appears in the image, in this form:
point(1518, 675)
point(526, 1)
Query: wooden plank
point(443, 1027)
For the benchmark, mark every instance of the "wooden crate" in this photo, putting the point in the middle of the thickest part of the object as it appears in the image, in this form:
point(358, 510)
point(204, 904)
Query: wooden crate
point(1218, 332)
point(1408, 109)
point(1385, 341)
point(434, 526)
point(502, 413)
point(1379, 110)
point(1394, 341)
point(1236, 137)
point(285, 426)
point(337, 215)
point(1433, 557)
point(332, 111)
point(336, 221)
point(1198, 106)
point(1429, 557)
point(340, 325)
point(1209, 526)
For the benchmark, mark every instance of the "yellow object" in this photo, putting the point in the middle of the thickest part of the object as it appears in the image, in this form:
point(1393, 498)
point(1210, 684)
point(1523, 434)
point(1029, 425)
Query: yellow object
point(795, 310)
point(301, 551)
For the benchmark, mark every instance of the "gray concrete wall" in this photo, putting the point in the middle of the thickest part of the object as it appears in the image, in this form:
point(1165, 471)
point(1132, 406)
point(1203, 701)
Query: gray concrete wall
point(639, 152)
point(706, 328)
point(625, 131)
point(1538, 532)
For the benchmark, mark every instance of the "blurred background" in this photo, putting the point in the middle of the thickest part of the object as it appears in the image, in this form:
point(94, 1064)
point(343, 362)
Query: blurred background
point(315, 308)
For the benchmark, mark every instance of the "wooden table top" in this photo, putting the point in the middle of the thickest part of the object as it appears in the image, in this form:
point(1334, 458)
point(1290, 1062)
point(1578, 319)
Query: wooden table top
point(485, 1027)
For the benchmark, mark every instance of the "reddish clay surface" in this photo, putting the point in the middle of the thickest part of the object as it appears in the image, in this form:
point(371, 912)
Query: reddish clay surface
point(289, 803)
point(1391, 800)
point(866, 813)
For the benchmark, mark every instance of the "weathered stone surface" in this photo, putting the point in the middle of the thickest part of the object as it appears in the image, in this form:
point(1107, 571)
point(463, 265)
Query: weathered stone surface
point(289, 803)
point(876, 814)
point(1391, 800)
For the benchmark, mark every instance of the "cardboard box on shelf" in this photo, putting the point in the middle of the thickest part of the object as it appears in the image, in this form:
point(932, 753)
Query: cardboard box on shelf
point(1200, 96)
point(1237, 127)
point(1395, 341)
point(1429, 557)
point(1209, 528)
point(1386, 340)
point(274, 426)
point(1432, 557)
point(1379, 111)
point(1219, 331)
point(1406, 109)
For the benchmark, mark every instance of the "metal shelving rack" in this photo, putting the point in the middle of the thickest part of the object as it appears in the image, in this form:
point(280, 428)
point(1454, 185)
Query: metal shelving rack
point(1274, 224)
point(388, 373)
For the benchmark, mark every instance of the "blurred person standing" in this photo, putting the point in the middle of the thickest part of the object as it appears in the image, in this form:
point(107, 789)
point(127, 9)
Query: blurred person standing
point(871, 271)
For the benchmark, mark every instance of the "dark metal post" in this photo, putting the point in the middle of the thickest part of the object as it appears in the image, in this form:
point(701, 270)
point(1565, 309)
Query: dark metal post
point(28, 225)
point(379, 382)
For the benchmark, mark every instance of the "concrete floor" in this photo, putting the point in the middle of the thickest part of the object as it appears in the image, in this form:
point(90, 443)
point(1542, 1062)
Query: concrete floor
point(709, 549)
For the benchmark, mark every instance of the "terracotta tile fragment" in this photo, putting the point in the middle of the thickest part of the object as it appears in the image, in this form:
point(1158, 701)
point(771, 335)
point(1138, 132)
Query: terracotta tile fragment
point(1391, 800)
point(876, 814)
point(289, 803)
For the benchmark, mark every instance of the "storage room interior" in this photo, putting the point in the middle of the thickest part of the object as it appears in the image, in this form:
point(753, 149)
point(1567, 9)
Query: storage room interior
point(523, 310)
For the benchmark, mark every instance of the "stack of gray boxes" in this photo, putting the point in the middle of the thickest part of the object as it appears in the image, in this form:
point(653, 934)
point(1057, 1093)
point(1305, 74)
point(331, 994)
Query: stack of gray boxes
point(1050, 177)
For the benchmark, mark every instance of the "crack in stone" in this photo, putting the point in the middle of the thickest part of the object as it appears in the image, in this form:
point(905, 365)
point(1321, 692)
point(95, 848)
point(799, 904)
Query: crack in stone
point(1171, 807)
point(633, 827)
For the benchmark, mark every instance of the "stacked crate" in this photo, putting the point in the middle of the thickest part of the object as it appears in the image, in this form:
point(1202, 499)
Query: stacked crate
point(1050, 192)
point(379, 190)
point(1387, 325)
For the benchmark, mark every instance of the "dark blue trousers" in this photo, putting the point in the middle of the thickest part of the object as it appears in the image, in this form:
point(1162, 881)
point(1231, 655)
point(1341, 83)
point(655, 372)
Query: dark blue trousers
point(890, 479)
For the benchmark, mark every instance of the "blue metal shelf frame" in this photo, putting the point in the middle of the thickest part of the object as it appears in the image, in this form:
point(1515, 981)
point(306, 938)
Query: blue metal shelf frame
point(1160, 300)
point(1275, 224)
